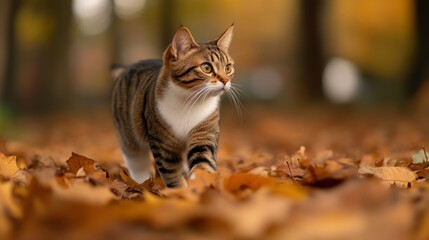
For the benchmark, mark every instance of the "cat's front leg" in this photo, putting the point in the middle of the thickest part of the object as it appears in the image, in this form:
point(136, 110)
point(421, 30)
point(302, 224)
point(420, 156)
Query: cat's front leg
point(138, 162)
point(201, 153)
point(202, 157)
point(168, 163)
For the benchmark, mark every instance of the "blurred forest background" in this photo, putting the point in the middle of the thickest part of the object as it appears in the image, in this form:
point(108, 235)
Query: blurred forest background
point(55, 55)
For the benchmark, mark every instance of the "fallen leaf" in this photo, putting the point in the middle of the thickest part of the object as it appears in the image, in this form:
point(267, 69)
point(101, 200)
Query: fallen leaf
point(368, 161)
point(8, 166)
point(367, 170)
point(153, 185)
point(76, 161)
point(299, 158)
point(260, 171)
point(128, 180)
point(398, 176)
point(330, 174)
point(241, 181)
point(292, 170)
point(423, 173)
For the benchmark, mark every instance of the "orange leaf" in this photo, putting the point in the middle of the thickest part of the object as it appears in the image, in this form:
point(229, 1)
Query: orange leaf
point(241, 181)
point(127, 179)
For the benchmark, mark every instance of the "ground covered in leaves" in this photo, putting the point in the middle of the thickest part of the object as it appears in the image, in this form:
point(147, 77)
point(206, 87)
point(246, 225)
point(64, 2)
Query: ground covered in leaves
point(314, 174)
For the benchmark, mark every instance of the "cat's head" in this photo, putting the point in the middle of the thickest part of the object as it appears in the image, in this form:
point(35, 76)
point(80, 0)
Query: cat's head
point(200, 66)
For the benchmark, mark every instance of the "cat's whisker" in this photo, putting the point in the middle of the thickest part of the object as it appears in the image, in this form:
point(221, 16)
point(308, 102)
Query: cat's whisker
point(236, 84)
point(193, 95)
point(236, 102)
point(235, 90)
point(196, 99)
point(239, 89)
point(209, 91)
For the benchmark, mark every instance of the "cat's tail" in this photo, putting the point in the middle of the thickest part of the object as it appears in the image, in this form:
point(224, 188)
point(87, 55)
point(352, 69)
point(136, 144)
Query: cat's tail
point(116, 70)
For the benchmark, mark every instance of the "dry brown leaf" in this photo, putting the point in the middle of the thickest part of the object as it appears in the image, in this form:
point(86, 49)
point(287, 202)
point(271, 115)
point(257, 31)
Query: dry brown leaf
point(423, 173)
point(299, 158)
point(291, 170)
point(329, 175)
point(398, 176)
point(368, 161)
point(153, 185)
point(22, 176)
point(76, 161)
point(8, 166)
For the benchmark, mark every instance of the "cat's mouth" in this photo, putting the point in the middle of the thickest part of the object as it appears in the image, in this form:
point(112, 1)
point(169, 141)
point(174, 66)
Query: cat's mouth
point(219, 91)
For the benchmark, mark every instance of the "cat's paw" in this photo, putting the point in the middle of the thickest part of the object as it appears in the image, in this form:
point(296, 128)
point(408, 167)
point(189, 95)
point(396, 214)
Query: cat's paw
point(191, 176)
point(194, 172)
point(141, 176)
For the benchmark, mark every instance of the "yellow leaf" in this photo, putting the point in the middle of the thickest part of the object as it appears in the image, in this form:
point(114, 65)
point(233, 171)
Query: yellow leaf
point(8, 166)
point(291, 191)
point(399, 176)
point(151, 198)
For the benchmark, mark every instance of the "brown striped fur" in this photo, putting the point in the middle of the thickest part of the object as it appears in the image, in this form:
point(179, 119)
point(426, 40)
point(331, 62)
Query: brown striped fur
point(142, 108)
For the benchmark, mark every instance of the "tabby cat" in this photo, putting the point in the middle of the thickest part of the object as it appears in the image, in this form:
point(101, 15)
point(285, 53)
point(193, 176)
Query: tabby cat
point(169, 110)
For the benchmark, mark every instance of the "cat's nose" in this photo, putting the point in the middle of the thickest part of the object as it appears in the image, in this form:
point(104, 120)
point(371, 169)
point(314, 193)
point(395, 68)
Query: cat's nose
point(222, 79)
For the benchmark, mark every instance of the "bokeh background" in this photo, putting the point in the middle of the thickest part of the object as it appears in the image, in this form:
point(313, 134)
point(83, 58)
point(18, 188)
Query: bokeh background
point(55, 55)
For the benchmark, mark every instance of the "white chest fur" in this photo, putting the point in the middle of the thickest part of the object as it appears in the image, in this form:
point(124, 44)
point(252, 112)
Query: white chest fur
point(183, 116)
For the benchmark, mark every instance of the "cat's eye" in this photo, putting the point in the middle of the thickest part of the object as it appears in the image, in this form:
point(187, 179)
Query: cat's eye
point(228, 68)
point(206, 68)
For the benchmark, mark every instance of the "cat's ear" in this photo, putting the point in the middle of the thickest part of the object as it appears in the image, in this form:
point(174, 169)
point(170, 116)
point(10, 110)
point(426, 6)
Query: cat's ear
point(225, 40)
point(182, 42)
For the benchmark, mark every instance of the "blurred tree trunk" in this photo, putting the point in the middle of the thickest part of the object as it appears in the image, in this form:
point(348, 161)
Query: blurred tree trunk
point(37, 76)
point(115, 37)
point(168, 24)
point(8, 92)
point(418, 69)
point(59, 83)
point(311, 56)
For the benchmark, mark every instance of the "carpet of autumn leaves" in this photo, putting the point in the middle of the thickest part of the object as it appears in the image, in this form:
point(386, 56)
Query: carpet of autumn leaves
point(313, 174)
